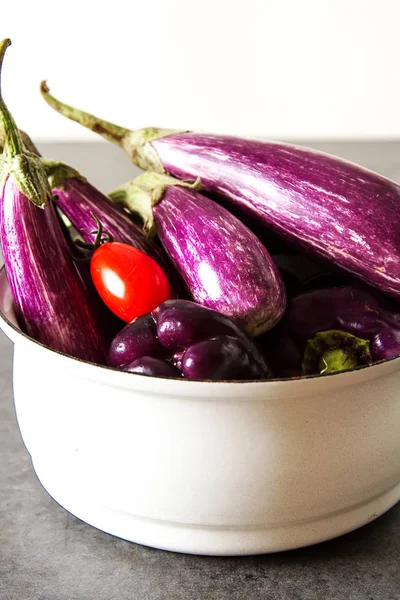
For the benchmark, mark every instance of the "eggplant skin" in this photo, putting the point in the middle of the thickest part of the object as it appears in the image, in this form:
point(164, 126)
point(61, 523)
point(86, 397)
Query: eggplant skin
point(224, 265)
point(78, 199)
point(330, 208)
point(49, 296)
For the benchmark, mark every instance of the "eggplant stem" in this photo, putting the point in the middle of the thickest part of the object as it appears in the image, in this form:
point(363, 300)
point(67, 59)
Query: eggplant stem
point(111, 132)
point(24, 166)
point(12, 140)
point(26, 140)
point(137, 143)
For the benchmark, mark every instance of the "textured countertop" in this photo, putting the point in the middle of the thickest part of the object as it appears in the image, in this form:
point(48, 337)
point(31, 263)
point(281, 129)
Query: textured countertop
point(47, 554)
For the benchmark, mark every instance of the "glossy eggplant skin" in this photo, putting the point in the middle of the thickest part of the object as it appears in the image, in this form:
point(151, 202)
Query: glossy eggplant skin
point(153, 367)
point(332, 209)
point(48, 293)
point(181, 324)
point(133, 341)
point(223, 264)
point(351, 309)
point(197, 342)
point(223, 357)
point(328, 207)
point(386, 343)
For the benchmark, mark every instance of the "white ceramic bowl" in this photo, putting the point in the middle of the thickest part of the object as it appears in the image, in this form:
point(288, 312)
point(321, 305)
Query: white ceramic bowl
point(208, 468)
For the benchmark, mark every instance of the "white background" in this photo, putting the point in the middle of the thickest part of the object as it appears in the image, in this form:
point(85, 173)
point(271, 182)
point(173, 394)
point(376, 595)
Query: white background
point(284, 69)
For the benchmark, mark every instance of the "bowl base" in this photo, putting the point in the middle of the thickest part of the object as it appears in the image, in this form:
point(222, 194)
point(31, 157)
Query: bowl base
point(211, 540)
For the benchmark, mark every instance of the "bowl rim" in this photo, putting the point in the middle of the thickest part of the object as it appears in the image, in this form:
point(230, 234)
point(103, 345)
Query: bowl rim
point(284, 380)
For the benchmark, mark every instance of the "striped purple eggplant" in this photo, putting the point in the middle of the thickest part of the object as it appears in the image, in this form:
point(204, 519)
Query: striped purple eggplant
point(330, 208)
point(48, 294)
point(224, 265)
point(78, 199)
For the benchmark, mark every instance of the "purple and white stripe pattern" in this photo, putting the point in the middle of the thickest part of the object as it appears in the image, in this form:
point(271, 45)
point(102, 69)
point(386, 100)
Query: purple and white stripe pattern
point(78, 199)
point(224, 265)
point(334, 209)
point(49, 296)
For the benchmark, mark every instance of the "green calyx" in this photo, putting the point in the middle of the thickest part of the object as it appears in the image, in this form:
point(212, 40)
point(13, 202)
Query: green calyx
point(22, 165)
point(28, 173)
point(138, 146)
point(58, 172)
point(136, 143)
point(333, 351)
point(144, 192)
point(139, 202)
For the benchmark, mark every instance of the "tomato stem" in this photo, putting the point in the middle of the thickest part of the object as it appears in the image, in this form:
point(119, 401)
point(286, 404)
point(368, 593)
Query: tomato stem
point(99, 234)
point(102, 237)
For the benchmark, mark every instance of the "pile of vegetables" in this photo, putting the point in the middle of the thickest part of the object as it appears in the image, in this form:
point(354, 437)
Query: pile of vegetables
point(226, 259)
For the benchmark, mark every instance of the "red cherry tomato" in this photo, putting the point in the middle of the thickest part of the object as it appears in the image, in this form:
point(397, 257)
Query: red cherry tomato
point(129, 282)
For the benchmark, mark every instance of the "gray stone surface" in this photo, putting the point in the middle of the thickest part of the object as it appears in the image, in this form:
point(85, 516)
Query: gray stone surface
point(47, 554)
